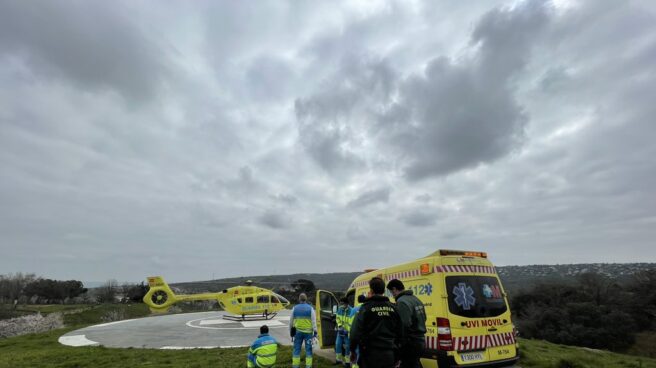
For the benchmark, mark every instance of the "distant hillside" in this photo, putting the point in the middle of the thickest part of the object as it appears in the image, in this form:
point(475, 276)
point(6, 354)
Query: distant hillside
point(514, 278)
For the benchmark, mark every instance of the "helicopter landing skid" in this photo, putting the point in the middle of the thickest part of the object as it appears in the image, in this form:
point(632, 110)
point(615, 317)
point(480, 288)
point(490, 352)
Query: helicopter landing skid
point(256, 317)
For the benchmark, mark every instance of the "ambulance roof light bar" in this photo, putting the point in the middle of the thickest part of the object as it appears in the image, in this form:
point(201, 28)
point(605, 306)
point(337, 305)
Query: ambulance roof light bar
point(448, 252)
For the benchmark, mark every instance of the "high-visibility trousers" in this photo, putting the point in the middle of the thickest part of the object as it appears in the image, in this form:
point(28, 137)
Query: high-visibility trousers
point(299, 339)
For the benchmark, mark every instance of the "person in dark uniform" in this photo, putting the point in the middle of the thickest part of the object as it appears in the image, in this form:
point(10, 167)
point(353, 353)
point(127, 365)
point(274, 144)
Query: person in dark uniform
point(413, 318)
point(377, 330)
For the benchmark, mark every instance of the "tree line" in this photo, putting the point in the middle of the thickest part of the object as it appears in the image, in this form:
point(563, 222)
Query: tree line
point(27, 288)
point(111, 292)
point(21, 288)
point(595, 311)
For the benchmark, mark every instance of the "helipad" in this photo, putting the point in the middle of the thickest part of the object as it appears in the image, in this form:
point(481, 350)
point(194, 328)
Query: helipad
point(178, 331)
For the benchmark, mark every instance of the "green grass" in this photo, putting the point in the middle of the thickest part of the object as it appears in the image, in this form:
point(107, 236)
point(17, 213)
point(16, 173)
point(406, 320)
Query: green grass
point(23, 310)
point(43, 350)
point(542, 354)
point(97, 313)
point(52, 308)
point(645, 344)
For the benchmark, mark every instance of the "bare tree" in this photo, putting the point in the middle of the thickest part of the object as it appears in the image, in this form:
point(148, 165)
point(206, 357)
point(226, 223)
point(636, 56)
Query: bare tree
point(12, 286)
point(107, 292)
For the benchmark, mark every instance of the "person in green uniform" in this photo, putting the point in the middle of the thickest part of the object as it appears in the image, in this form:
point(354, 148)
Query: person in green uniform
point(413, 318)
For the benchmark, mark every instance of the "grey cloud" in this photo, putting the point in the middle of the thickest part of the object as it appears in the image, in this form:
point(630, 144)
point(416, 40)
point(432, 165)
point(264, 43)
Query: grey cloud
point(205, 215)
point(451, 235)
point(370, 197)
point(286, 198)
point(554, 79)
point(269, 78)
point(419, 218)
point(506, 36)
point(462, 114)
point(326, 129)
point(325, 145)
point(93, 44)
point(423, 198)
point(246, 183)
point(458, 122)
point(269, 116)
point(246, 174)
point(455, 115)
point(275, 220)
point(354, 232)
point(233, 29)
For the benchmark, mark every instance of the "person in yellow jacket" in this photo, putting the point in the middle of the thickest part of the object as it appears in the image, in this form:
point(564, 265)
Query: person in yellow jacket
point(341, 341)
point(263, 351)
point(302, 329)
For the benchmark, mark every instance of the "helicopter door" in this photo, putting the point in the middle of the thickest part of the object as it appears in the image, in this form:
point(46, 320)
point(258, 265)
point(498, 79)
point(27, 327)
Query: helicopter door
point(326, 306)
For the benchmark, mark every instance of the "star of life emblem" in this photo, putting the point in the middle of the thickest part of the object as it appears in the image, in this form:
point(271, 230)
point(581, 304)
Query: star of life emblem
point(464, 296)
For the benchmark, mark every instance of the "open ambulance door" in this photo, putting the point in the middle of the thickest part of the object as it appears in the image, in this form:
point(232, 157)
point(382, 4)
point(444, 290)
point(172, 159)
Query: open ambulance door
point(326, 308)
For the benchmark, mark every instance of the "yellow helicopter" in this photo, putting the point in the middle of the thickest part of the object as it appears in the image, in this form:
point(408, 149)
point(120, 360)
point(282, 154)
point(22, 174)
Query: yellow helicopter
point(243, 302)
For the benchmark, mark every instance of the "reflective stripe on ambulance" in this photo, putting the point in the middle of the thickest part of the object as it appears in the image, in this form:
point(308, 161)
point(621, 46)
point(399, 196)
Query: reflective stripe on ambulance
point(479, 342)
point(466, 269)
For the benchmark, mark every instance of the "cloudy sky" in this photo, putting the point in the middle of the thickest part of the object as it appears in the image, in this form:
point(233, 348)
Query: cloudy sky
point(243, 138)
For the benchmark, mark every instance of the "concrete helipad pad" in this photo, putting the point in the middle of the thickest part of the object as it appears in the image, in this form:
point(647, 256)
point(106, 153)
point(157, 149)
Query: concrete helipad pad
point(178, 331)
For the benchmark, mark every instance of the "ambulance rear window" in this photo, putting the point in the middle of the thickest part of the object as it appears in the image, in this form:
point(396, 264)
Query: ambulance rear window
point(475, 296)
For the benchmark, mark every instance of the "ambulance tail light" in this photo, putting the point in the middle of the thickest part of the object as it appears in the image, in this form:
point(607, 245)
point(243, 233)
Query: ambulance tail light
point(444, 339)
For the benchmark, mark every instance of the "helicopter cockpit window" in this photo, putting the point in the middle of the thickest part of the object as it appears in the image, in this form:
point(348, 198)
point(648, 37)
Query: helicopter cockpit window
point(282, 299)
point(239, 300)
point(274, 300)
point(263, 299)
point(249, 299)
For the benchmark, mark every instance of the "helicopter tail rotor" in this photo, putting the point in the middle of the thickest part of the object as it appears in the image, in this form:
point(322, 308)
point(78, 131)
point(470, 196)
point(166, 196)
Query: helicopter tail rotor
point(160, 296)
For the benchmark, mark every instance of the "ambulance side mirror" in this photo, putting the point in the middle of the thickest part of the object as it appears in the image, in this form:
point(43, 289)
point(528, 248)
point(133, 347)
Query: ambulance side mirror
point(334, 309)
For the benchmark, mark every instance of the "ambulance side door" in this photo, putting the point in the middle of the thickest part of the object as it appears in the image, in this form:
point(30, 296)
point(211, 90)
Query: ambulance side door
point(326, 310)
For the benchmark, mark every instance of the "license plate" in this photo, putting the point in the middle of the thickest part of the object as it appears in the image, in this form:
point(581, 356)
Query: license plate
point(471, 357)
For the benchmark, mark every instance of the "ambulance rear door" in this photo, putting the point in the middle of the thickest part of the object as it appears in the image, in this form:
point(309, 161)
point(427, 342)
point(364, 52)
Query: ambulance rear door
point(326, 310)
point(477, 309)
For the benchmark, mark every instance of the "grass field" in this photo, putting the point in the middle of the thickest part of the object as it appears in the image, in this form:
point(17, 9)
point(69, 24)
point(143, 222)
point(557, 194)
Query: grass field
point(105, 313)
point(43, 350)
point(645, 344)
point(23, 310)
point(52, 308)
point(535, 353)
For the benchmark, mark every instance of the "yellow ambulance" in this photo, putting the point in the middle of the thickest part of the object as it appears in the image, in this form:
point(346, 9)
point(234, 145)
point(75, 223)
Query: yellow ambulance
point(468, 318)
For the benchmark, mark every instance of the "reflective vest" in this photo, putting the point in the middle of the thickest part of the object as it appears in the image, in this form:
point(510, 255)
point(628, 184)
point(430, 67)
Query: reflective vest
point(341, 316)
point(349, 320)
point(262, 352)
point(302, 318)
